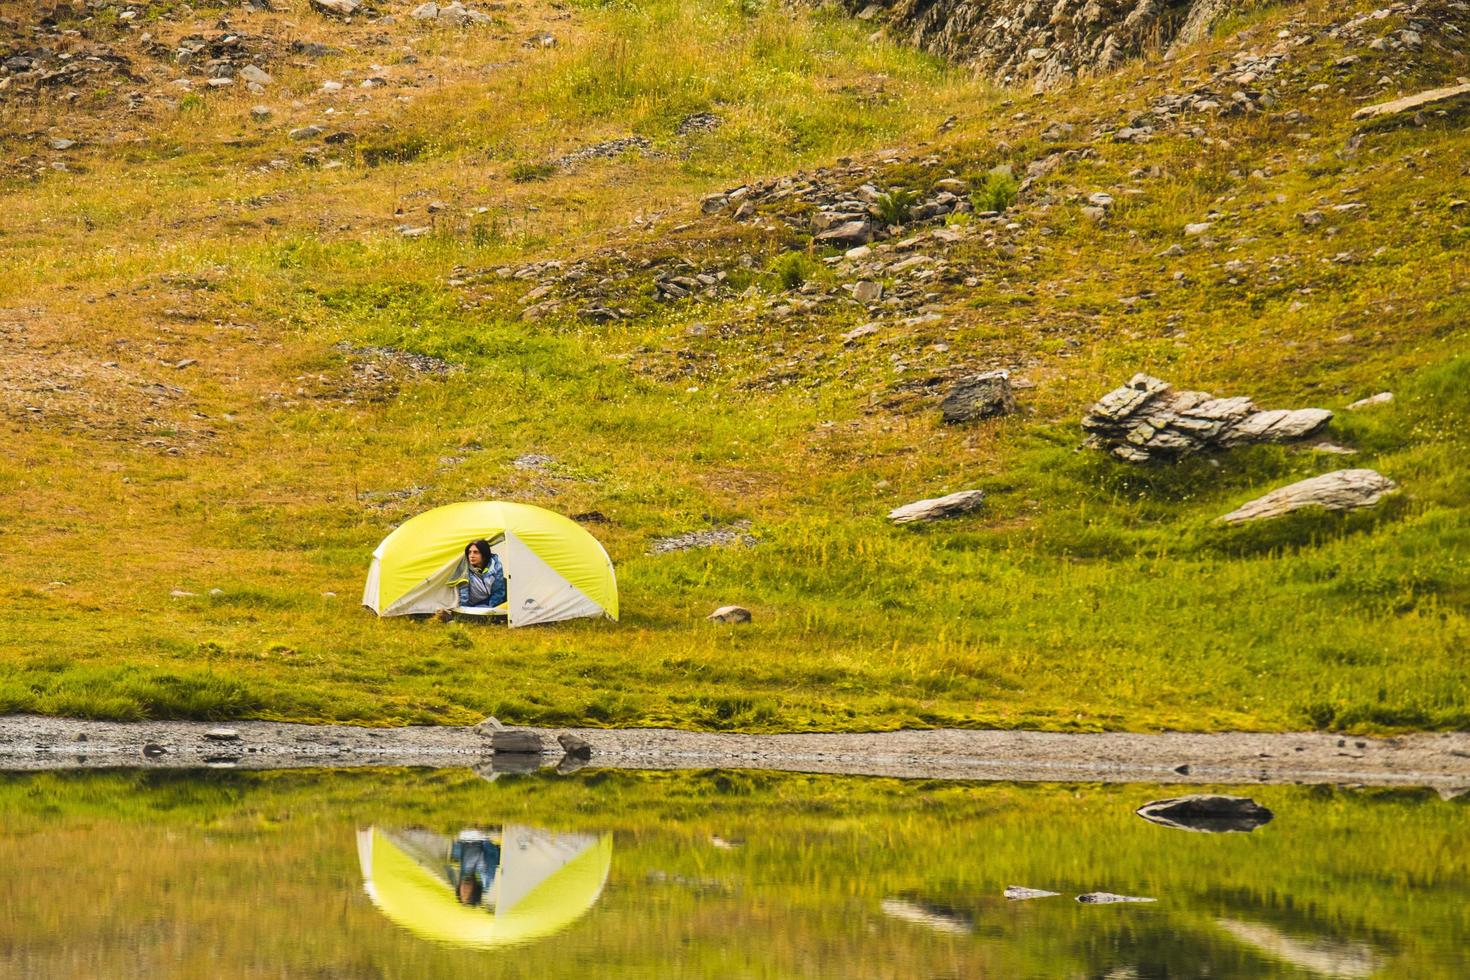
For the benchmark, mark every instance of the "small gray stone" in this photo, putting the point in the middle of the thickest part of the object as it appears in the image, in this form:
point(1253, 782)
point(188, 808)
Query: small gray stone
point(730, 614)
point(222, 735)
point(260, 113)
point(306, 133)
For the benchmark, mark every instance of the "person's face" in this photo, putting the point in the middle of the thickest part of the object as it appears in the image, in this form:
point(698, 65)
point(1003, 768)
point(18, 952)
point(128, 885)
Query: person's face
point(476, 559)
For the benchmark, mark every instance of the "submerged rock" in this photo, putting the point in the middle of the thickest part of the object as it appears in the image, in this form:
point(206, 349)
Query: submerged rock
point(1338, 490)
point(1207, 813)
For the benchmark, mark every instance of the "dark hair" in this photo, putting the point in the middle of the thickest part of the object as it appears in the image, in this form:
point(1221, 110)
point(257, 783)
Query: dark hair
point(484, 547)
point(476, 891)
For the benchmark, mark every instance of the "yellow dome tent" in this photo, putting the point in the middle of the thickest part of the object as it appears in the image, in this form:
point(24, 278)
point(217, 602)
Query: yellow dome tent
point(554, 569)
point(545, 882)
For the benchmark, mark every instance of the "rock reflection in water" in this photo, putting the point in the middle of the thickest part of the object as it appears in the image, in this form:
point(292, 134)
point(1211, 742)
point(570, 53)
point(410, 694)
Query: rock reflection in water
point(1328, 957)
point(1207, 813)
point(483, 887)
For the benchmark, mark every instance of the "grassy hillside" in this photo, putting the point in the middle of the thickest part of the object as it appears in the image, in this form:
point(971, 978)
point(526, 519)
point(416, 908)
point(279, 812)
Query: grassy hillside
point(235, 353)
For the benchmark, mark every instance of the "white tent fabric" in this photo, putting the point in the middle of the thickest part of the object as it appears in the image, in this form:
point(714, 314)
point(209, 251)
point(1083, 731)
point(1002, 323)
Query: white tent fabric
point(528, 856)
point(535, 592)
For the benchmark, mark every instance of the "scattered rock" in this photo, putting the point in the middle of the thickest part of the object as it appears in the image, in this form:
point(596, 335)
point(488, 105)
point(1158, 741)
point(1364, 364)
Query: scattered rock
point(1417, 101)
point(515, 742)
point(1382, 398)
point(1148, 420)
point(337, 8)
point(305, 133)
point(859, 332)
point(1336, 491)
point(222, 735)
point(1108, 898)
point(260, 113)
point(954, 504)
point(153, 750)
point(1207, 813)
point(979, 396)
point(1017, 893)
point(730, 614)
point(255, 75)
point(453, 14)
point(575, 746)
point(737, 533)
point(490, 723)
point(1198, 228)
point(867, 291)
point(850, 233)
point(181, 594)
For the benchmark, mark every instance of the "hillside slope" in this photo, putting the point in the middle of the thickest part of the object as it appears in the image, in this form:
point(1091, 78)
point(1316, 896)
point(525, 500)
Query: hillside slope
point(569, 256)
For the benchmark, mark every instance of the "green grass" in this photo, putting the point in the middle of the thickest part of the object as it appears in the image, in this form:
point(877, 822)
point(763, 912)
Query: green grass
point(1086, 594)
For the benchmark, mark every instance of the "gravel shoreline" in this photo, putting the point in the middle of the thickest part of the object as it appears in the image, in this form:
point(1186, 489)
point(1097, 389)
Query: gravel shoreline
point(1440, 761)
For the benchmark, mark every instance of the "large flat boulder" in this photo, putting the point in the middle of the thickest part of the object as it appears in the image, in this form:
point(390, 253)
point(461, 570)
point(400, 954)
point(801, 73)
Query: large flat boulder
point(1338, 490)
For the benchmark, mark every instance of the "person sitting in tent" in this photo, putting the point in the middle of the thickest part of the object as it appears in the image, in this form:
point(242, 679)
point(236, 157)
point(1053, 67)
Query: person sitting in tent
point(478, 856)
point(480, 578)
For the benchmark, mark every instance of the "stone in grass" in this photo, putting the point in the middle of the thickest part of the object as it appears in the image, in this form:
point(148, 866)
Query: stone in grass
point(979, 396)
point(1017, 893)
point(730, 614)
point(1108, 898)
point(1382, 398)
point(1335, 491)
point(932, 509)
point(1207, 813)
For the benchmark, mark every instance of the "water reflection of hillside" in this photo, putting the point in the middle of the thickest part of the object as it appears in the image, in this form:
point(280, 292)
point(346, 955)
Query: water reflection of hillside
point(757, 875)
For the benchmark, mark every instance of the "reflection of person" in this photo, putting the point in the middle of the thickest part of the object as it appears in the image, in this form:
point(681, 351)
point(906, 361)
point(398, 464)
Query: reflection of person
point(478, 857)
point(484, 582)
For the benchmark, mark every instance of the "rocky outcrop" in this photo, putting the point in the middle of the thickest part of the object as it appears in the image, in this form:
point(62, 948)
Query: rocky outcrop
point(1044, 42)
point(1338, 490)
point(1147, 420)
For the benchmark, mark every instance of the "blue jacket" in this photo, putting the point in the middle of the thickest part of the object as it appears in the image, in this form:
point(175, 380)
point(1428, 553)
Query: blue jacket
point(483, 588)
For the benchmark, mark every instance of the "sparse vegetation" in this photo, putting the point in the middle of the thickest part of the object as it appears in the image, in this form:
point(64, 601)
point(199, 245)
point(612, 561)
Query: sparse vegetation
point(997, 190)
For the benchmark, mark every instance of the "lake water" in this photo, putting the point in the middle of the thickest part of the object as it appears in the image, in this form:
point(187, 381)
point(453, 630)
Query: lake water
point(352, 874)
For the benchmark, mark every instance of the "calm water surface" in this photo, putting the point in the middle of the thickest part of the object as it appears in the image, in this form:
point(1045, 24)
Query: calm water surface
point(440, 874)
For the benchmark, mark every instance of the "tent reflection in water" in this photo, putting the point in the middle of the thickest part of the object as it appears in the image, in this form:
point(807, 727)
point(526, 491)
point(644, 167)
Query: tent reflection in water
point(545, 882)
point(554, 569)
